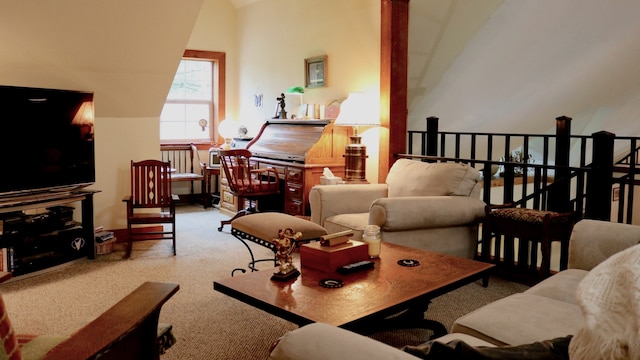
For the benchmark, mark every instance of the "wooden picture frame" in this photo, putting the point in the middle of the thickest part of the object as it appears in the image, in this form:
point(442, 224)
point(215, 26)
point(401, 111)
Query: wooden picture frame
point(315, 72)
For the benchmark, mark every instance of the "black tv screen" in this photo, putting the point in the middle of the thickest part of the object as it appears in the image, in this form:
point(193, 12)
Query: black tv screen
point(44, 144)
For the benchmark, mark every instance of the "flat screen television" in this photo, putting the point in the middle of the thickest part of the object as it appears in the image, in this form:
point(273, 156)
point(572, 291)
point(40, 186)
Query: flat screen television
point(44, 145)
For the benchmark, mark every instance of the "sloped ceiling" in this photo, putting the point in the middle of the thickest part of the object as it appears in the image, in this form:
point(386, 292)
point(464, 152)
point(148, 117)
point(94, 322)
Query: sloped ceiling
point(527, 63)
point(125, 51)
point(240, 3)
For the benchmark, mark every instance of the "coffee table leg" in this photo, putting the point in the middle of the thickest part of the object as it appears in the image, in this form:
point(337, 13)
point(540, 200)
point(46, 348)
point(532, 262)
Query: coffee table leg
point(410, 318)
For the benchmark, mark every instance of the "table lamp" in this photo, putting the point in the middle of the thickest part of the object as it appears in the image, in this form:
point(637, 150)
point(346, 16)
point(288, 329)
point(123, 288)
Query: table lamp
point(227, 129)
point(297, 90)
point(355, 111)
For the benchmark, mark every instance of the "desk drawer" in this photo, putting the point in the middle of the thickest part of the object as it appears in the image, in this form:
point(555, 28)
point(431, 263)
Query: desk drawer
point(293, 207)
point(293, 192)
point(294, 175)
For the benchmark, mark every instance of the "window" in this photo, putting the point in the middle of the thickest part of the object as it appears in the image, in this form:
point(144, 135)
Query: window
point(195, 101)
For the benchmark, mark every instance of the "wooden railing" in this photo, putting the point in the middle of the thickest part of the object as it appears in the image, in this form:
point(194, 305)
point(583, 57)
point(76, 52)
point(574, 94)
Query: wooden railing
point(565, 173)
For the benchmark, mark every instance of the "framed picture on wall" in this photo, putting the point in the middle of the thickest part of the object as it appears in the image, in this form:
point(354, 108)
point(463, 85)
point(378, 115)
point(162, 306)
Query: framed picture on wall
point(315, 71)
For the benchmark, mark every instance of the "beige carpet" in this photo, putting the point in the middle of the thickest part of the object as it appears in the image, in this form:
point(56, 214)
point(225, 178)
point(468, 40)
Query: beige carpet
point(207, 324)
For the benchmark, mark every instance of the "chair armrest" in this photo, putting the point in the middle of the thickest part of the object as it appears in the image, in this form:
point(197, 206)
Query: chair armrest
point(423, 212)
point(331, 200)
point(593, 241)
point(128, 330)
point(320, 341)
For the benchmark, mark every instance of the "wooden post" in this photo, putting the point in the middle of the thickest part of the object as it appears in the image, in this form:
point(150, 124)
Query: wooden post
point(394, 47)
point(600, 178)
point(559, 194)
point(432, 136)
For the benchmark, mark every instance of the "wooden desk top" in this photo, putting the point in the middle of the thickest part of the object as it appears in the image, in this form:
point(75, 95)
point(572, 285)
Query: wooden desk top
point(382, 291)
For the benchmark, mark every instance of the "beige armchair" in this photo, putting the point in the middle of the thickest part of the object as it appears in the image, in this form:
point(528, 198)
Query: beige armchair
point(432, 206)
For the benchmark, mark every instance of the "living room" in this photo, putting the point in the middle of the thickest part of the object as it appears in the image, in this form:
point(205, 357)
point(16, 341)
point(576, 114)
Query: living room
point(111, 51)
point(127, 54)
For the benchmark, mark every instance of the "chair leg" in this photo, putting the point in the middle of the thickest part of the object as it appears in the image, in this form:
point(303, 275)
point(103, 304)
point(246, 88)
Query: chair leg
point(545, 247)
point(129, 243)
point(173, 237)
point(485, 252)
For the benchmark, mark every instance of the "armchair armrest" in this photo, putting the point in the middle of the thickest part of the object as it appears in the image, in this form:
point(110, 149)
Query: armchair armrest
point(423, 212)
point(593, 241)
point(331, 200)
point(128, 330)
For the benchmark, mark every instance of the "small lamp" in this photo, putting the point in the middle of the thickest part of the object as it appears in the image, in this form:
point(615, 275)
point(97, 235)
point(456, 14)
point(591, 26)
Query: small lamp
point(84, 118)
point(355, 112)
point(84, 115)
point(227, 129)
point(297, 90)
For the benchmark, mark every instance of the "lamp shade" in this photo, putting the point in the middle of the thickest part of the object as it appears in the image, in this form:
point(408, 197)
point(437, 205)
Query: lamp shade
point(228, 129)
point(295, 90)
point(357, 110)
point(84, 116)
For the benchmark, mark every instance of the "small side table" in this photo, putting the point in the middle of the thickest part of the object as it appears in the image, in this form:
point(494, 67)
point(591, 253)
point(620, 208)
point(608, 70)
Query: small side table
point(210, 196)
point(536, 226)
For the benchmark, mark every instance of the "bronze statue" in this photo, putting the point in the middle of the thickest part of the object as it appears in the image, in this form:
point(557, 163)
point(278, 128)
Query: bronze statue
point(285, 244)
point(281, 113)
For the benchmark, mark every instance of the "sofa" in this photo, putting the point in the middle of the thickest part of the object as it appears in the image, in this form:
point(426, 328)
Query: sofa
point(431, 206)
point(603, 256)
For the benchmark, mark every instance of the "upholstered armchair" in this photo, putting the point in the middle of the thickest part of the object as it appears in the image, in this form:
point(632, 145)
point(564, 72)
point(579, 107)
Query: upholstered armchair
point(431, 206)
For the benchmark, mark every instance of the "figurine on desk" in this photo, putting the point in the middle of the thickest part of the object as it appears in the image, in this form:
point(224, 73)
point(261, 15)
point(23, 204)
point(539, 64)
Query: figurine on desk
point(281, 113)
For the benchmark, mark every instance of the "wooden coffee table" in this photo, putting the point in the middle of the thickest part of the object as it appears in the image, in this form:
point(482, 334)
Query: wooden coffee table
point(366, 297)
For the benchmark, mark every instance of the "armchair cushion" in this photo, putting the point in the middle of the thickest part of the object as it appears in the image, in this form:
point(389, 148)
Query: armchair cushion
point(416, 178)
point(416, 212)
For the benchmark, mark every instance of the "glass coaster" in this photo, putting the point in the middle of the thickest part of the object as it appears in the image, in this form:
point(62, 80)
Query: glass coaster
point(331, 283)
point(408, 262)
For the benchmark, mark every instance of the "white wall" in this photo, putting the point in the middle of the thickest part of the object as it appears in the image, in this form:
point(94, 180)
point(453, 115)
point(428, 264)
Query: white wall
point(125, 52)
point(274, 38)
point(529, 62)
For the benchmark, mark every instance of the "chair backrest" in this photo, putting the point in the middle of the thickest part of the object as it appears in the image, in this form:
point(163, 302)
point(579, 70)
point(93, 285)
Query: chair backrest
point(416, 178)
point(151, 183)
point(243, 178)
point(181, 157)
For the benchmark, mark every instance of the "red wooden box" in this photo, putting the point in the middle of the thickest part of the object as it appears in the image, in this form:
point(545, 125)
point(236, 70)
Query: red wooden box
point(330, 258)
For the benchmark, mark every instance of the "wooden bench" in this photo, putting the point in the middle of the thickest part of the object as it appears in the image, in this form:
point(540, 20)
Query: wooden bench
point(181, 157)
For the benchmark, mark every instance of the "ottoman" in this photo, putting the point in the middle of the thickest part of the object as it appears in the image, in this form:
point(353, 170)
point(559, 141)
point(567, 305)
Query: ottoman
point(261, 228)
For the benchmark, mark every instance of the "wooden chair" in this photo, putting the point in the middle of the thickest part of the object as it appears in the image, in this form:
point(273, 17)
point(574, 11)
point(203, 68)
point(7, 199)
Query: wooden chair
point(151, 202)
point(182, 157)
point(247, 182)
point(128, 330)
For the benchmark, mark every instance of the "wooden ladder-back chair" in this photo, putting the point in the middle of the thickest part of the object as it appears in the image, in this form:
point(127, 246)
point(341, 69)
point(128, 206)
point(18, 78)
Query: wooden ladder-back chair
point(247, 182)
point(151, 202)
point(183, 158)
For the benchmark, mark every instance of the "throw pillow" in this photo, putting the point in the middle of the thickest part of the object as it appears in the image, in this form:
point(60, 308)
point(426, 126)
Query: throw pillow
point(609, 298)
point(9, 349)
point(416, 178)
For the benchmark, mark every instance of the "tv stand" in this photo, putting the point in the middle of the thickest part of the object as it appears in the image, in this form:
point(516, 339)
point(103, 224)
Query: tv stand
point(36, 242)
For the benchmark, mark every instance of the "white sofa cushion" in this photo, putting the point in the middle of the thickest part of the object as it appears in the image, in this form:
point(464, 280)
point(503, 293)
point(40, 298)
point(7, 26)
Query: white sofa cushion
point(561, 286)
point(320, 341)
point(531, 317)
point(415, 178)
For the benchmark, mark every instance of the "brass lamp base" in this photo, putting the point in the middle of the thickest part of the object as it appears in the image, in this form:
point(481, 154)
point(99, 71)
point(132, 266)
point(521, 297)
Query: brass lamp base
point(355, 161)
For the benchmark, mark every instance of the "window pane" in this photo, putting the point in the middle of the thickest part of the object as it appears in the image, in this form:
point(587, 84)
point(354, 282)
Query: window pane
point(192, 81)
point(182, 121)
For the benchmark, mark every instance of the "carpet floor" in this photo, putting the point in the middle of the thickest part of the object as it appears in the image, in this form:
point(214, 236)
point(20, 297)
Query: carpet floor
point(207, 324)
